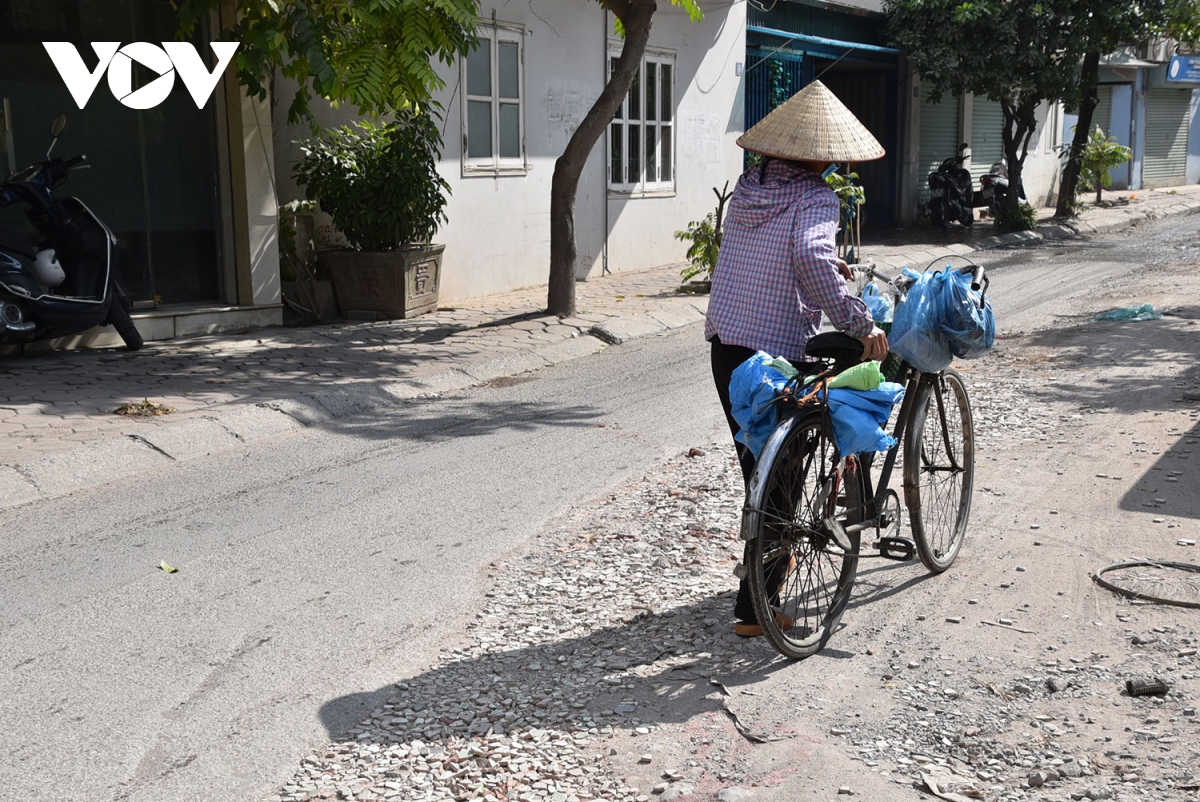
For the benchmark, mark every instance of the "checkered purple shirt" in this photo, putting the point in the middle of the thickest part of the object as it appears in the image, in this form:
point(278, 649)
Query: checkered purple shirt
point(776, 271)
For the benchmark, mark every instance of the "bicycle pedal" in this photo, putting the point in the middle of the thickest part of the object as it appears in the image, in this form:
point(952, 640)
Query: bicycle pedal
point(839, 534)
point(896, 548)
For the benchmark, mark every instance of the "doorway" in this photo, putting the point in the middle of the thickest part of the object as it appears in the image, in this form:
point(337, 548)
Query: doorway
point(153, 175)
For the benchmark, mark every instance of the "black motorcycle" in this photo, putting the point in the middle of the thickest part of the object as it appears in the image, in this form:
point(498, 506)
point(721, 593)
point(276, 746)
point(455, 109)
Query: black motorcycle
point(65, 282)
point(950, 195)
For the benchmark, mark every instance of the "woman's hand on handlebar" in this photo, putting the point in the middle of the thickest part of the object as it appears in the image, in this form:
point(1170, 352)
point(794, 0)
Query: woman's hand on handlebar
point(845, 269)
point(875, 345)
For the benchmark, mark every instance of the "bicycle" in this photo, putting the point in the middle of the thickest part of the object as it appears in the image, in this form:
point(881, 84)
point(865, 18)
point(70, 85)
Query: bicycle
point(807, 507)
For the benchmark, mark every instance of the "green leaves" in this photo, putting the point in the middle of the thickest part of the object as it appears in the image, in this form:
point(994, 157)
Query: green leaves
point(706, 243)
point(325, 44)
point(379, 183)
point(1101, 153)
point(691, 7)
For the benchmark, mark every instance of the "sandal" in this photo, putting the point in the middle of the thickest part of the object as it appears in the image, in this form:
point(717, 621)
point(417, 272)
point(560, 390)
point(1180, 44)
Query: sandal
point(752, 629)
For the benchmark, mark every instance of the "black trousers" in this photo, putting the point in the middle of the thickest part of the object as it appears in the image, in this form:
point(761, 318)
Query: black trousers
point(725, 360)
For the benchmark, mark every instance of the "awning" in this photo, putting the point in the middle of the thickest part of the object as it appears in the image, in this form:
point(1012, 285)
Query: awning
point(1123, 60)
point(821, 41)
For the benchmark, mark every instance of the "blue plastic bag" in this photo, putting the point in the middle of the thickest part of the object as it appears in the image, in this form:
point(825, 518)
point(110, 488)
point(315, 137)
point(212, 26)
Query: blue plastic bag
point(916, 333)
point(859, 416)
point(969, 329)
point(879, 304)
point(754, 384)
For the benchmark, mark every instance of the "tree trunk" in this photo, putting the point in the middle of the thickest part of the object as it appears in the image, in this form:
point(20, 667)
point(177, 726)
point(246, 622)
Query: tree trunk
point(1019, 124)
point(1089, 79)
point(636, 16)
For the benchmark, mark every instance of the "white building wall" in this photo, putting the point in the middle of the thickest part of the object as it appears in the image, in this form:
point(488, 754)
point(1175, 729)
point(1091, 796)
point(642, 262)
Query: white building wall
point(1042, 166)
point(1193, 158)
point(498, 234)
point(710, 115)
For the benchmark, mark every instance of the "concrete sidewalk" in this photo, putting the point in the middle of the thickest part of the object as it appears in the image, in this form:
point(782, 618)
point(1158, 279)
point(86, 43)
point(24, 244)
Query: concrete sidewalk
point(59, 433)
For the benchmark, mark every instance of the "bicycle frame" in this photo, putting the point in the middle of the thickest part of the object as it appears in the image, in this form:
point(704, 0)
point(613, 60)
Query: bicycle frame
point(874, 502)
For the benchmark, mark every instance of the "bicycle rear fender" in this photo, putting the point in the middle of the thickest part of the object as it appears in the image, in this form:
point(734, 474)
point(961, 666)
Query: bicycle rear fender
point(756, 489)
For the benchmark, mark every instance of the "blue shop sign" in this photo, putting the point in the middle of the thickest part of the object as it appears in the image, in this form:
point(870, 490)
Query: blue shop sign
point(1184, 69)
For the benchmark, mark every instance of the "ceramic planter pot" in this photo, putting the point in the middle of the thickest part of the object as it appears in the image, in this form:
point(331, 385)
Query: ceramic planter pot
point(396, 284)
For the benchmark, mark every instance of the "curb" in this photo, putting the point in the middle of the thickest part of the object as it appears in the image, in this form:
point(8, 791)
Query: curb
point(71, 470)
point(97, 463)
point(1108, 221)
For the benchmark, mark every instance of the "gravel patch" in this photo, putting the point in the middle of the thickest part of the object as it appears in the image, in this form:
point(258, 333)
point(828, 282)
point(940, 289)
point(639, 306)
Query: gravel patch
point(623, 599)
point(614, 596)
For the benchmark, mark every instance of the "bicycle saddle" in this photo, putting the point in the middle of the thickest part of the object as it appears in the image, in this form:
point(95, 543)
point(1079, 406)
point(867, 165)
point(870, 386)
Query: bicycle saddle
point(835, 345)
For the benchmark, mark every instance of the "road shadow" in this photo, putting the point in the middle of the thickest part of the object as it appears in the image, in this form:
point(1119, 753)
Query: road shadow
point(597, 670)
point(1135, 368)
point(374, 415)
point(270, 363)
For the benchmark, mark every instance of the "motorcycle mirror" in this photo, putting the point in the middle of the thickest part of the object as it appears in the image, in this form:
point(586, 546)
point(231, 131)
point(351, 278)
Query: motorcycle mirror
point(963, 146)
point(57, 126)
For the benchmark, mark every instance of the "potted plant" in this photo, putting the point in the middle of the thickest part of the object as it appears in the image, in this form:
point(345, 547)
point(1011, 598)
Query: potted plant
point(304, 292)
point(380, 186)
point(1099, 155)
point(705, 236)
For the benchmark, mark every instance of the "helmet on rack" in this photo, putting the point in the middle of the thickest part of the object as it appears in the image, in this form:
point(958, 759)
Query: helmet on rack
point(47, 269)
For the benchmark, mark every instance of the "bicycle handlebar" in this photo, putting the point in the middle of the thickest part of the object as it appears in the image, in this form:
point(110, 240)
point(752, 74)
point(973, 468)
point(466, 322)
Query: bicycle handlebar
point(979, 279)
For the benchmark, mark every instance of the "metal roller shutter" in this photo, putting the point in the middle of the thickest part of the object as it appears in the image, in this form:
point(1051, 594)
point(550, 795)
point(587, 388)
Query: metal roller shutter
point(939, 137)
point(987, 138)
point(1165, 161)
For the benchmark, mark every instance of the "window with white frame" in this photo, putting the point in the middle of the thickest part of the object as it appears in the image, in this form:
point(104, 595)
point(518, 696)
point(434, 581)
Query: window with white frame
point(641, 137)
point(493, 101)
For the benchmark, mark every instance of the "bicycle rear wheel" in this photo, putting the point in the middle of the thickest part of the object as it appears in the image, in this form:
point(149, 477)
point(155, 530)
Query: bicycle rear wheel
point(800, 580)
point(939, 469)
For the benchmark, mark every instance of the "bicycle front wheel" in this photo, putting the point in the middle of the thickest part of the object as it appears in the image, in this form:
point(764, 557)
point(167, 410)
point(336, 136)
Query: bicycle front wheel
point(939, 469)
point(800, 579)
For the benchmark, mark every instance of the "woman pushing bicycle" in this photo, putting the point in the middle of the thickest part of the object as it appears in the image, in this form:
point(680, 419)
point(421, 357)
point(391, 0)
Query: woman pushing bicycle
point(778, 270)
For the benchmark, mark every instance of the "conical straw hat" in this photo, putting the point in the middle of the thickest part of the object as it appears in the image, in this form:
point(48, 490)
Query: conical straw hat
point(813, 125)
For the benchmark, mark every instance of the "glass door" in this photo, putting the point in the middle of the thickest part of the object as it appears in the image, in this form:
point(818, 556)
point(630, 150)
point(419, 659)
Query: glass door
point(153, 177)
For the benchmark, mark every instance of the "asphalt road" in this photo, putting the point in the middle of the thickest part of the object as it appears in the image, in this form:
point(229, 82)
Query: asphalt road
point(329, 563)
point(313, 567)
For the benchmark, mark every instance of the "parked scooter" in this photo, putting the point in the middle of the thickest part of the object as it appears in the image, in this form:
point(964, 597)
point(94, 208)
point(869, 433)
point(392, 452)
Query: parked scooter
point(951, 195)
point(993, 187)
point(66, 282)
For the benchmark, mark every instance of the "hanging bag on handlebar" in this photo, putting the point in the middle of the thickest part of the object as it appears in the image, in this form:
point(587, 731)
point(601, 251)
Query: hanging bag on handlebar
point(968, 324)
point(942, 318)
point(879, 304)
point(916, 333)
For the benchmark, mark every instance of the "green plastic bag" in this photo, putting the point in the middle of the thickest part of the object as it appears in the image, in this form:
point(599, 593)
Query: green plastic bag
point(1143, 312)
point(863, 376)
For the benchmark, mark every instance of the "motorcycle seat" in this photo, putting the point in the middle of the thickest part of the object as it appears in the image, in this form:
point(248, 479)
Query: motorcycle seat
point(15, 243)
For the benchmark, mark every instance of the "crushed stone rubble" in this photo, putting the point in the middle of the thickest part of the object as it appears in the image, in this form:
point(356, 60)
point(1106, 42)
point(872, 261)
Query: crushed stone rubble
point(992, 730)
point(522, 711)
point(637, 585)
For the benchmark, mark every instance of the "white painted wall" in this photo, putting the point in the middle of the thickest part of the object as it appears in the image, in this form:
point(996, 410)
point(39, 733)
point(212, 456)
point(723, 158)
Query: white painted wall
point(263, 224)
point(498, 234)
point(710, 115)
point(1042, 166)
